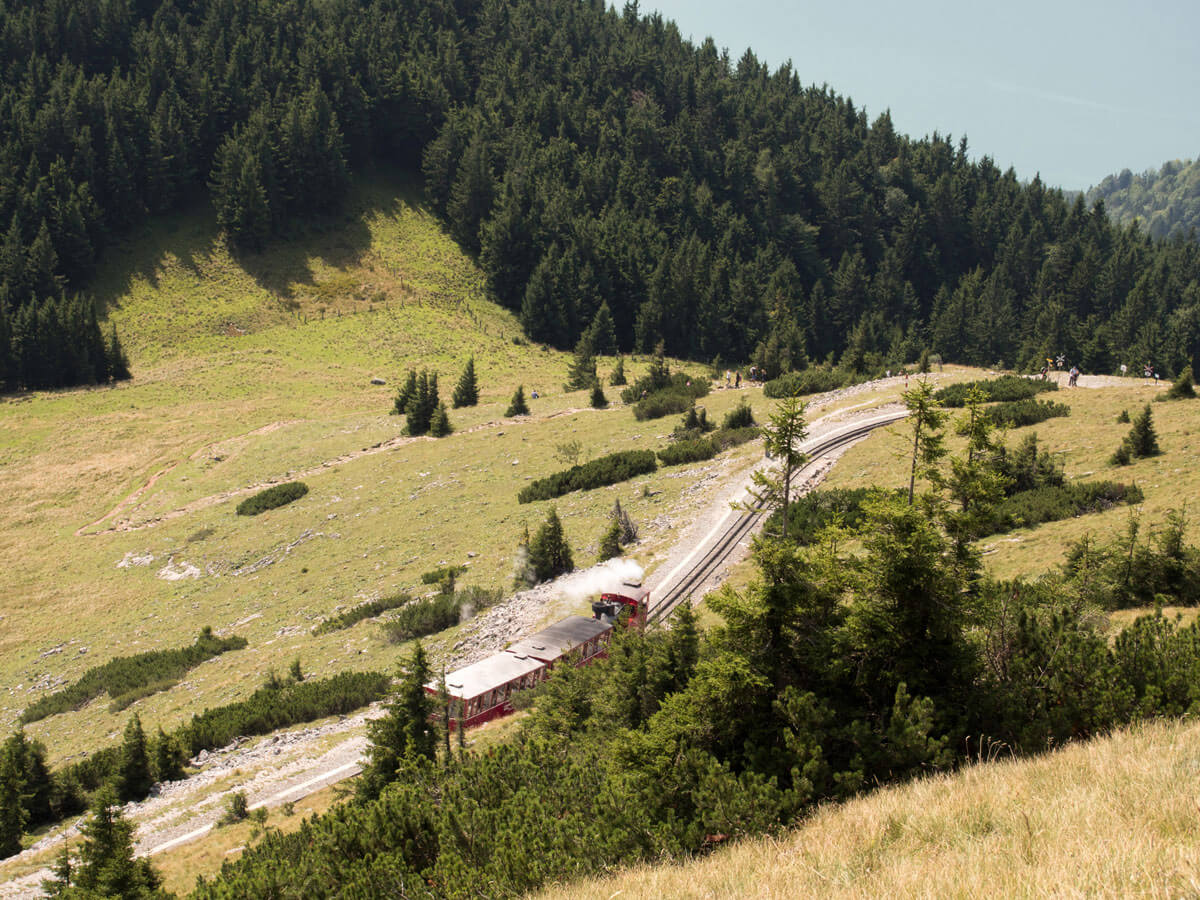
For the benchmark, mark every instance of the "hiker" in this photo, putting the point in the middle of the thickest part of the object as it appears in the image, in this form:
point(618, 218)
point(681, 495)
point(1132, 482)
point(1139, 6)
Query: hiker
point(1074, 376)
point(738, 377)
point(1045, 370)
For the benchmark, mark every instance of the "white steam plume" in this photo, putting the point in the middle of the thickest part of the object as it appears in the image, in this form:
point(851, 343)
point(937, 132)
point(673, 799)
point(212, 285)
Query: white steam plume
point(608, 577)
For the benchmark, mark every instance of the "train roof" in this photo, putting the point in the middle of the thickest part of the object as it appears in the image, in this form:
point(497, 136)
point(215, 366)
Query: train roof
point(634, 592)
point(561, 638)
point(486, 675)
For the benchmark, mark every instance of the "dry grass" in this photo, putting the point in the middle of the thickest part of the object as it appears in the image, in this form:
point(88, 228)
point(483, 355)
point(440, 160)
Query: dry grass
point(1116, 817)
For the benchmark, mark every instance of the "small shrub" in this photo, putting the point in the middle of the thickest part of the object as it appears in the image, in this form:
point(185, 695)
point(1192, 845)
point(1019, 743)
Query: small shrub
point(606, 470)
point(272, 498)
point(1053, 503)
point(610, 542)
point(237, 809)
point(617, 378)
point(682, 452)
point(741, 416)
point(599, 401)
point(725, 438)
point(439, 424)
point(1123, 417)
point(1020, 413)
point(1121, 456)
point(1183, 388)
point(1142, 439)
point(442, 574)
point(661, 403)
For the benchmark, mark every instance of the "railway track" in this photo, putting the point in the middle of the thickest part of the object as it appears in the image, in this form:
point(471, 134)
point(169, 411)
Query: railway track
point(711, 553)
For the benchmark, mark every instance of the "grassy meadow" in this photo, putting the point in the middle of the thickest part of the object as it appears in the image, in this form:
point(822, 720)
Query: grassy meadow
point(119, 533)
point(1113, 817)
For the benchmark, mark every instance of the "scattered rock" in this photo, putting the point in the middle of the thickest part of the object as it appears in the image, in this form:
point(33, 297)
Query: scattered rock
point(133, 558)
point(177, 572)
point(378, 381)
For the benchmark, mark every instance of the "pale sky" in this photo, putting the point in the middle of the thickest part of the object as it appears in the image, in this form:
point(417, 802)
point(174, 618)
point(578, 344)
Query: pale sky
point(1069, 89)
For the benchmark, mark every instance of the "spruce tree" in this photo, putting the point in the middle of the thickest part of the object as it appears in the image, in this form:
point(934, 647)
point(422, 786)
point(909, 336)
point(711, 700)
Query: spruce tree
point(466, 392)
point(105, 866)
point(599, 401)
point(404, 732)
point(13, 815)
point(549, 552)
point(582, 373)
point(406, 394)
point(617, 378)
point(167, 757)
point(134, 778)
point(439, 424)
point(602, 334)
point(1142, 439)
point(117, 361)
point(518, 406)
point(610, 542)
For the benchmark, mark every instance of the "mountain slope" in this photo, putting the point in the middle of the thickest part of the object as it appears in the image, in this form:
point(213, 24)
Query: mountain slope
point(1165, 203)
point(1111, 817)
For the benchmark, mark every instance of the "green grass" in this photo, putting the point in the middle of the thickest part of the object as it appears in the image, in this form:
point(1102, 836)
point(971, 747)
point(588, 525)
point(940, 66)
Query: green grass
point(152, 470)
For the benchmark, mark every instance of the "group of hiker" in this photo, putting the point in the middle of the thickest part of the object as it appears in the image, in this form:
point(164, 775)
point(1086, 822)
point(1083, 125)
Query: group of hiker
point(1057, 362)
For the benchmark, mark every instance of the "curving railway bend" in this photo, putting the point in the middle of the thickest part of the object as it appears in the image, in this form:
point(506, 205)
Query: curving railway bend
point(715, 548)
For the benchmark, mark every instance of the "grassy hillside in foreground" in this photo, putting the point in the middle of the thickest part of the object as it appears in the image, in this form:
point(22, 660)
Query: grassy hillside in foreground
point(118, 534)
point(1115, 817)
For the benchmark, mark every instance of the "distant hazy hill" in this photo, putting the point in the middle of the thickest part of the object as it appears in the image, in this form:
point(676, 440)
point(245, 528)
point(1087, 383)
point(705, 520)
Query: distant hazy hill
point(1167, 201)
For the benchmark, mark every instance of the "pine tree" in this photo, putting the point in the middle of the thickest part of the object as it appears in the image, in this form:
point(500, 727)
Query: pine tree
point(1142, 439)
point(549, 553)
point(582, 373)
point(117, 362)
point(134, 779)
point(518, 406)
point(406, 394)
point(421, 407)
point(602, 334)
point(617, 378)
point(782, 436)
point(13, 815)
point(599, 401)
point(610, 542)
point(167, 756)
point(466, 392)
point(629, 530)
point(105, 866)
point(439, 423)
point(404, 732)
point(926, 418)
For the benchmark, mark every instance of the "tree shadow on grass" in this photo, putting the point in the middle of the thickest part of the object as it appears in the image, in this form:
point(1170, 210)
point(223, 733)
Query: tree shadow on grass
point(284, 268)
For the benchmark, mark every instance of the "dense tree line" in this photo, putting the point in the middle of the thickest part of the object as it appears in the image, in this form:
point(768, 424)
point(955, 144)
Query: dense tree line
point(1166, 203)
point(589, 156)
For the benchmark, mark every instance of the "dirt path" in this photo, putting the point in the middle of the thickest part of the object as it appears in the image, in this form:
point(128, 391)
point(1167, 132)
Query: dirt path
point(130, 501)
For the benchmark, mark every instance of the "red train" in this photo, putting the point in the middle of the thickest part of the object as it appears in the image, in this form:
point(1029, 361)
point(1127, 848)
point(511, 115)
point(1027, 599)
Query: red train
point(484, 690)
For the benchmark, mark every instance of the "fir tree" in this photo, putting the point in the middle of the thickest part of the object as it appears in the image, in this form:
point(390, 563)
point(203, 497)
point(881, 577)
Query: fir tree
point(582, 373)
point(404, 732)
point(406, 394)
point(599, 401)
point(117, 362)
point(439, 423)
point(105, 866)
point(167, 757)
point(1182, 389)
point(13, 814)
point(549, 553)
point(466, 392)
point(518, 406)
point(1142, 439)
point(602, 334)
point(617, 378)
point(134, 779)
point(610, 542)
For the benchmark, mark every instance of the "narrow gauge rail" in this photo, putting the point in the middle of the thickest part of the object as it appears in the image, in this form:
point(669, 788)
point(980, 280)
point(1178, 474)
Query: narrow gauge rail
point(745, 522)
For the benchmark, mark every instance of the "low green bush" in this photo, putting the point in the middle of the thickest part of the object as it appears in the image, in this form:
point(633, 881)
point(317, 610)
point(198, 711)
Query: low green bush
point(127, 679)
point(605, 470)
point(367, 610)
point(1053, 503)
point(272, 498)
point(662, 403)
point(814, 380)
point(1004, 387)
point(682, 452)
point(1019, 413)
point(741, 416)
point(425, 617)
point(724, 438)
